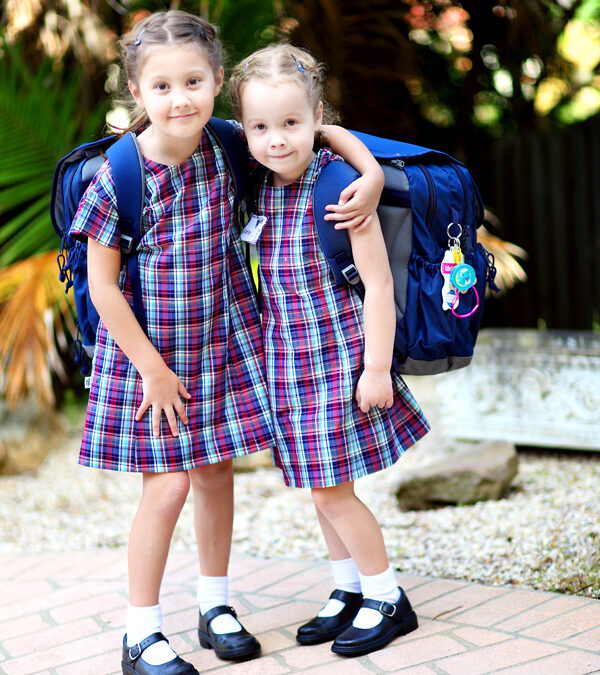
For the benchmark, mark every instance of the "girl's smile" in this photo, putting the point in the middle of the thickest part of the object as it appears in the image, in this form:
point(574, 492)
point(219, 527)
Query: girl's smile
point(280, 127)
point(177, 88)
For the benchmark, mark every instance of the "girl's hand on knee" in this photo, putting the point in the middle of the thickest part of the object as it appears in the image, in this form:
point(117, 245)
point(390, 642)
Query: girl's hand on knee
point(163, 391)
point(374, 390)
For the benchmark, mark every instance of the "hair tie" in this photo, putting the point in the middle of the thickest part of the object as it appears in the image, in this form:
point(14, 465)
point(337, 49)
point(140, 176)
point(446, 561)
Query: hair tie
point(202, 34)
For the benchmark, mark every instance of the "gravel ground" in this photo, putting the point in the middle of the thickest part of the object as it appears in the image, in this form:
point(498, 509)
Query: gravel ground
point(543, 535)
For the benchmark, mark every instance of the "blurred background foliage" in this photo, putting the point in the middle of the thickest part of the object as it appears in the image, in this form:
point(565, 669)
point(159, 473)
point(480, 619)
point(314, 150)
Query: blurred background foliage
point(452, 75)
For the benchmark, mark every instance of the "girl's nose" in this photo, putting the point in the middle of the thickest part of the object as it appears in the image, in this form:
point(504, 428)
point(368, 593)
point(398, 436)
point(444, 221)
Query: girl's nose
point(181, 98)
point(277, 140)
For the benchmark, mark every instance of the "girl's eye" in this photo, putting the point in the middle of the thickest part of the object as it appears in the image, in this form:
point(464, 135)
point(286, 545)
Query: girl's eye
point(260, 127)
point(161, 86)
point(194, 82)
point(290, 123)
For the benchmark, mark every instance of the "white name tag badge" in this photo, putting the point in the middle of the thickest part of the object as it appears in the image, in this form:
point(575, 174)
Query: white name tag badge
point(251, 233)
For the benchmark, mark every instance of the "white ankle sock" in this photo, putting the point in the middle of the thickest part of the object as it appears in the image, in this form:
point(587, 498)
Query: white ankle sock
point(346, 578)
point(212, 592)
point(346, 575)
point(382, 587)
point(142, 622)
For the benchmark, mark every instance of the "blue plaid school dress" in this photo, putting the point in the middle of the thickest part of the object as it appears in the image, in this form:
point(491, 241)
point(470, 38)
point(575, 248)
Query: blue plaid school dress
point(313, 336)
point(202, 318)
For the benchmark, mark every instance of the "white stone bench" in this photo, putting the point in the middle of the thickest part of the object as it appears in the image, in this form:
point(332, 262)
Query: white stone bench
point(538, 388)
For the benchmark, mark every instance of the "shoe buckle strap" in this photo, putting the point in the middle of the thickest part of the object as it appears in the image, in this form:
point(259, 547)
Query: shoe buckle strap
point(133, 656)
point(136, 651)
point(387, 608)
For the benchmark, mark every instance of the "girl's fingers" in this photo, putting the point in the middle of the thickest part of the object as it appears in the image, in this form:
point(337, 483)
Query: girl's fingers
point(141, 411)
point(180, 410)
point(346, 194)
point(171, 419)
point(183, 391)
point(335, 210)
point(156, 415)
point(348, 224)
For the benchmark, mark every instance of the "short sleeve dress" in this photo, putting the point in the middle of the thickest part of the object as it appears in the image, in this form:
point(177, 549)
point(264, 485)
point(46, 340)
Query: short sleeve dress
point(202, 318)
point(314, 342)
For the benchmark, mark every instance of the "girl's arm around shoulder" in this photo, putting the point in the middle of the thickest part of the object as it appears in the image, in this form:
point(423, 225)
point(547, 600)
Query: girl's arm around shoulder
point(162, 387)
point(360, 199)
point(374, 387)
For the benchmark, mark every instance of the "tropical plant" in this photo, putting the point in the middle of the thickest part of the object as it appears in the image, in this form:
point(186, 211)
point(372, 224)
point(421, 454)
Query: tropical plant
point(40, 117)
point(34, 309)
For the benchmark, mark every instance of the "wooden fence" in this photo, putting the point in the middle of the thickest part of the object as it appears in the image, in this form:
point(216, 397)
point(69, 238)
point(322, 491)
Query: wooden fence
point(546, 192)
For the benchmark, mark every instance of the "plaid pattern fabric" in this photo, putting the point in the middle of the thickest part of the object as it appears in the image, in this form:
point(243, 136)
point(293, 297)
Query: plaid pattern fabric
point(313, 335)
point(202, 318)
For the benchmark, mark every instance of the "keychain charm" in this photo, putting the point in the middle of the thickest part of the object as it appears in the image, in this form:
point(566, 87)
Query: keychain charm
point(452, 257)
point(462, 277)
point(459, 277)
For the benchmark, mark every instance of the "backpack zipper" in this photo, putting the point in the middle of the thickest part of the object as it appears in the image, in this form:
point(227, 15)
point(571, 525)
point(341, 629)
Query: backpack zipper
point(465, 225)
point(432, 193)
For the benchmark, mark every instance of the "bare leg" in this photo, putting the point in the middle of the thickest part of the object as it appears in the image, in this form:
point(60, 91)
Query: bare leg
point(213, 524)
point(212, 486)
point(335, 546)
point(352, 528)
point(163, 497)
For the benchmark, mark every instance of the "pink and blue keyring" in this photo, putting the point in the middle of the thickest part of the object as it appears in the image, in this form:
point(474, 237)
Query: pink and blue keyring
point(462, 278)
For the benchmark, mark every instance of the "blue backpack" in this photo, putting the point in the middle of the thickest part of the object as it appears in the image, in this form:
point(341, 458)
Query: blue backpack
point(72, 176)
point(429, 205)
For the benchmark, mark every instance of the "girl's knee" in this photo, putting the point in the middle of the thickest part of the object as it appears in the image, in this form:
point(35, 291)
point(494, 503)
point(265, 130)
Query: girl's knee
point(167, 490)
point(333, 501)
point(212, 476)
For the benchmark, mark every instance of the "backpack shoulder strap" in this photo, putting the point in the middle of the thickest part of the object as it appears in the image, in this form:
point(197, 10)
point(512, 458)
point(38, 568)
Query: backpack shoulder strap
point(235, 152)
point(127, 165)
point(334, 177)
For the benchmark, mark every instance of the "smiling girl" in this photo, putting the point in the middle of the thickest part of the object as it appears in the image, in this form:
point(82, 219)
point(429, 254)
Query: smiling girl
point(177, 404)
point(338, 411)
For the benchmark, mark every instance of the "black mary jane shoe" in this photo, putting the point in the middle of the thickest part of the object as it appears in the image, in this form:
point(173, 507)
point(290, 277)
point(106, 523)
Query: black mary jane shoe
point(132, 664)
point(237, 646)
point(325, 628)
point(398, 619)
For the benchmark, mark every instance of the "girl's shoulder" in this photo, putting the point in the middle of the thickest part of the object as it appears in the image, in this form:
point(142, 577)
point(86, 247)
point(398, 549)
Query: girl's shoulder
point(102, 186)
point(326, 155)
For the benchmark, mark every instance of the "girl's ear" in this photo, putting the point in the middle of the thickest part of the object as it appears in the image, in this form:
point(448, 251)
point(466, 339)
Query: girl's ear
point(319, 116)
point(135, 92)
point(219, 79)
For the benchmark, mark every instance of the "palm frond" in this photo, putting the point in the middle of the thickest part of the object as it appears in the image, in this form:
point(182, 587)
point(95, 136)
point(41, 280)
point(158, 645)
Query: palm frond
point(34, 313)
point(40, 120)
point(509, 272)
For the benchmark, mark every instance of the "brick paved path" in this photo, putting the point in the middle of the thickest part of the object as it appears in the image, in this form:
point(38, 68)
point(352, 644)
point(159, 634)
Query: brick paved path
point(63, 614)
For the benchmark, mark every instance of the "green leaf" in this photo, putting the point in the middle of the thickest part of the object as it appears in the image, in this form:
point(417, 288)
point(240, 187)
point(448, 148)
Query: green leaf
point(41, 119)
